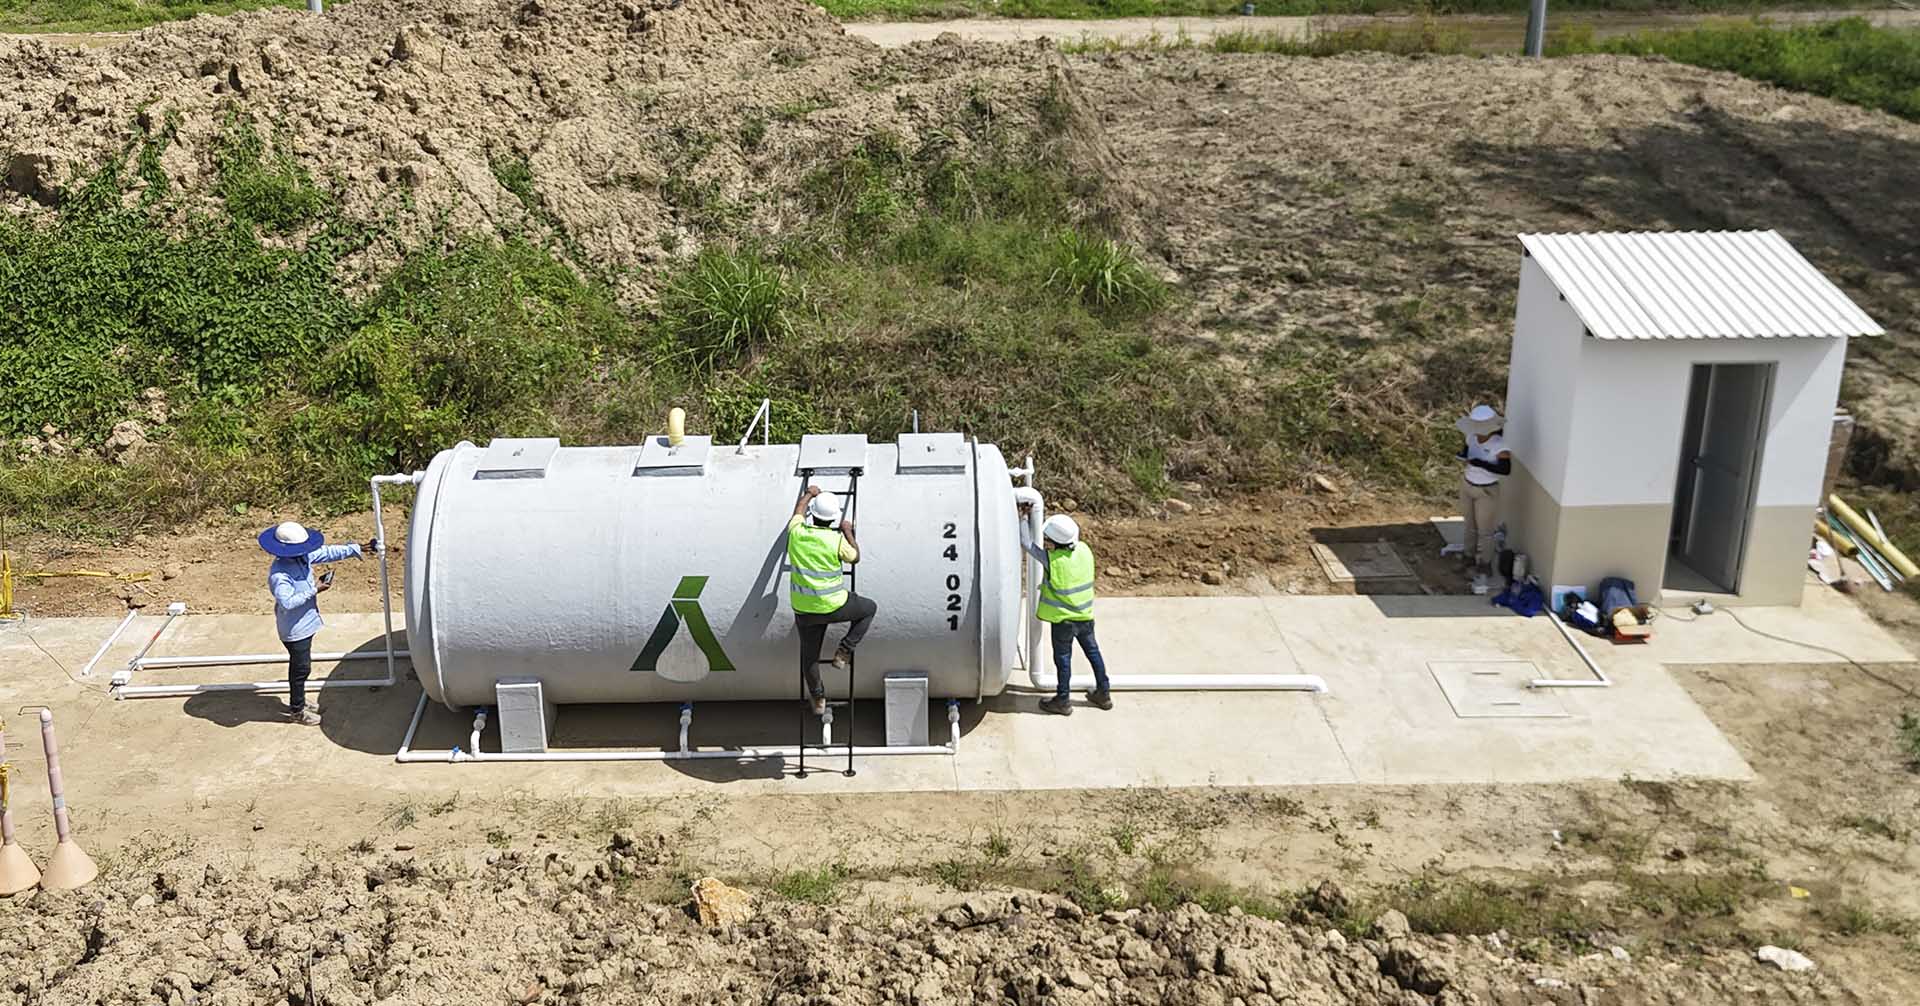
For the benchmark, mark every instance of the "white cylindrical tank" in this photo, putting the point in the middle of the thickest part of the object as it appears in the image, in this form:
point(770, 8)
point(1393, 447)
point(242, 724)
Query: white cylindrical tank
point(658, 573)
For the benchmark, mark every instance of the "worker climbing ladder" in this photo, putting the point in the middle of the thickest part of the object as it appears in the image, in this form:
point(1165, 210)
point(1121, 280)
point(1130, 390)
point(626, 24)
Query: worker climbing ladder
point(850, 499)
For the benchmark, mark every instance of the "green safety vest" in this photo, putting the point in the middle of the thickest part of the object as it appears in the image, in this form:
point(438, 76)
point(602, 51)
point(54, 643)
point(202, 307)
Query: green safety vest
point(1067, 594)
point(815, 585)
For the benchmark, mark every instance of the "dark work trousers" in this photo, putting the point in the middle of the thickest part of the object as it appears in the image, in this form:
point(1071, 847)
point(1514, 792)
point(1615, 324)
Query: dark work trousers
point(1064, 633)
point(813, 635)
point(299, 665)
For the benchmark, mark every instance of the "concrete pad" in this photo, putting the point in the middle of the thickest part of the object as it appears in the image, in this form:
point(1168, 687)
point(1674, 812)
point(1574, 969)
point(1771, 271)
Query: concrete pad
point(1186, 635)
point(1386, 719)
point(1494, 689)
point(1826, 628)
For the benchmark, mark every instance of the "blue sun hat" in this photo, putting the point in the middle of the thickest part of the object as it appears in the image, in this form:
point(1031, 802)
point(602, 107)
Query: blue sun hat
point(291, 539)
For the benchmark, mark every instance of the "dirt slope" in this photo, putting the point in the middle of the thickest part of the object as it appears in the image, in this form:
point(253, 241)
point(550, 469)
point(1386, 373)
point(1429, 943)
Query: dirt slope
point(1364, 207)
point(635, 122)
point(524, 928)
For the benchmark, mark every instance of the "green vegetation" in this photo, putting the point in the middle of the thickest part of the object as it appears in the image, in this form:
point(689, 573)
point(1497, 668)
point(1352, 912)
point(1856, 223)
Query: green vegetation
point(1850, 60)
point(123, 15)
point(1910, 740)
point(1428, 36)
point(116, 15)
point(916, 273)
point(889, 10)
point(820, 886)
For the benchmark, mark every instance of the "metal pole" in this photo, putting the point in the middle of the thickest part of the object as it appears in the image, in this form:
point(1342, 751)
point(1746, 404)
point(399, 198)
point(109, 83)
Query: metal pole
point(1536, 28)
point(313, 7)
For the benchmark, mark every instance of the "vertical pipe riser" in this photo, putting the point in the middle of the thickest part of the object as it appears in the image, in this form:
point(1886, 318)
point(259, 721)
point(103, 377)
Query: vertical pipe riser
point(69, 867)
point(17, 872)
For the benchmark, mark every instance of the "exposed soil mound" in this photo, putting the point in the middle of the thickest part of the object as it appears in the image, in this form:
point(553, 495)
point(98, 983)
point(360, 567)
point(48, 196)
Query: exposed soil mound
point(528, 927)
point(625, 129)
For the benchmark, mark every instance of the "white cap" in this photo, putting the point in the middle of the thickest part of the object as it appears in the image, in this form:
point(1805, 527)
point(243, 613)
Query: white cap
point(1483, 413)
point(290, 533)
point(1061, 530)
point(824, 508)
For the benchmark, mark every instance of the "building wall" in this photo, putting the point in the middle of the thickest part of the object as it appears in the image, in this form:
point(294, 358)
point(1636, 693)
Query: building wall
point(1632, 406)
point(1542, 378)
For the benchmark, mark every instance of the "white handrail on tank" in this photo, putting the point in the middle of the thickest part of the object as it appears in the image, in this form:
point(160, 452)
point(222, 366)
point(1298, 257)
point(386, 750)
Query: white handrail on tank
point(763, 418)
point(1042, 681)
point(387, 652)
point(407, 755)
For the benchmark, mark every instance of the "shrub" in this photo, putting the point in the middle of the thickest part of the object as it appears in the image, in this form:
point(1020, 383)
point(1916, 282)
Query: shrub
point(1102, 272)
point(725, 305)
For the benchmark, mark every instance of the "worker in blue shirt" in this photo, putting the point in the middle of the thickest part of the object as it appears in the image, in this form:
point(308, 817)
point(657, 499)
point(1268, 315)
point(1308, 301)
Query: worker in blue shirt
point(296, 613)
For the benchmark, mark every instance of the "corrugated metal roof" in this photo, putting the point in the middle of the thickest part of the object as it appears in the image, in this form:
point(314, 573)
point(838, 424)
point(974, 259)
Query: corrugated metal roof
point(1695, 285)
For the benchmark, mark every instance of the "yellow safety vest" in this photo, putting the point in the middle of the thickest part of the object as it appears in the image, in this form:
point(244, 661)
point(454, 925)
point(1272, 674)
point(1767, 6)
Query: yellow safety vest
point(815, 585)
point(1067, 594)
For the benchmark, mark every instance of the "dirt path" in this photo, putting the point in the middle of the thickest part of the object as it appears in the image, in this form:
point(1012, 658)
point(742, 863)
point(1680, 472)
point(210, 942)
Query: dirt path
point(1490, 33)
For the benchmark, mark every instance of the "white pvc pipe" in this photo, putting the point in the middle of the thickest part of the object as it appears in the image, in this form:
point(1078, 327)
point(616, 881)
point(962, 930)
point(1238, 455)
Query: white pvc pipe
point(728, 754)
point(1041, 681)
point(686, 723)
point(1030, 591)
point(1599, 677)
point(1193, 683)
point(102, 651)
point(479, 727)
point(380, 548)
point(407, 756)
point(251, 687)
point(243, 659)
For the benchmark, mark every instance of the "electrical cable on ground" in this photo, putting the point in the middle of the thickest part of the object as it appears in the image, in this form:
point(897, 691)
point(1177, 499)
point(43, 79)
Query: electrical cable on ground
point(1857, 665)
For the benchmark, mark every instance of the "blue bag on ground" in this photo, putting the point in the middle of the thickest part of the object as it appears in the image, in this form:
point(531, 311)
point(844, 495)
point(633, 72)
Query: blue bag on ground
point(1524, 598)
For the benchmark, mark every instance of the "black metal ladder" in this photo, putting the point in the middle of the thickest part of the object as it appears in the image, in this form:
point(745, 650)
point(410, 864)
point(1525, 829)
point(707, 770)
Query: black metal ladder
point(852, 574)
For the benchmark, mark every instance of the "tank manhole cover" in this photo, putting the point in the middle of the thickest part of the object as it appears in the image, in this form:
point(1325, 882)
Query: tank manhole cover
point(1493, 689)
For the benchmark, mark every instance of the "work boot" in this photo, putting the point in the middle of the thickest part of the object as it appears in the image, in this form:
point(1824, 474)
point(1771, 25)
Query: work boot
point(1058, 705)
point(842, 659)
point(305, 717)
point(1100, 699)
point(818, 704)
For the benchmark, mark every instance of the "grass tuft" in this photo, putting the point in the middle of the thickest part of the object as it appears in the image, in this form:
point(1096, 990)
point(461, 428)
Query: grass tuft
point(1102, 273)
point(726, 305)
point(820, 886)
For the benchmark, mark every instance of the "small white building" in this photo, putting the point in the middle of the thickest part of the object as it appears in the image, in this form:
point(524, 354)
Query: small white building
point(1669, 407)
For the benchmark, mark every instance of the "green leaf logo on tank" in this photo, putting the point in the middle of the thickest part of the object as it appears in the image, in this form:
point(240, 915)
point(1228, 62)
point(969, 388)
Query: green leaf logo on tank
point(684, 608)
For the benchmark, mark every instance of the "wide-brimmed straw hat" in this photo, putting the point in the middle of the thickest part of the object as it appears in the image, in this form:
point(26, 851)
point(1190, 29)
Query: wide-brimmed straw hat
point(290, 539)
point(1480, 422)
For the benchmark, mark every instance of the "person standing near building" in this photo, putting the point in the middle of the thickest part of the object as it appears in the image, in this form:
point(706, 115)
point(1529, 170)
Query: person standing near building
point(1066, 604)
point(1488, 464)
point(296, 591)
point(818, 590)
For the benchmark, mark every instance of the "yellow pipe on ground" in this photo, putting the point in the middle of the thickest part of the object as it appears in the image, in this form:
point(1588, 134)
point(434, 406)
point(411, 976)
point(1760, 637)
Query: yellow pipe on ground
point(1865, 532)
point(1840, 545)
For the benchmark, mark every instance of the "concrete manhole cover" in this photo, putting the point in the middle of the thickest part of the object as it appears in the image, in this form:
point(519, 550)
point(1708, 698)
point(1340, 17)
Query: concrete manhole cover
point(1494, 689)
point(1350, 561)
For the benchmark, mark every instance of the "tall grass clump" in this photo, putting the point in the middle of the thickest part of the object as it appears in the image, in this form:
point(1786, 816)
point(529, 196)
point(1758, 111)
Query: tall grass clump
point(727, 304)
point(1102, 272)
point(1849, 60)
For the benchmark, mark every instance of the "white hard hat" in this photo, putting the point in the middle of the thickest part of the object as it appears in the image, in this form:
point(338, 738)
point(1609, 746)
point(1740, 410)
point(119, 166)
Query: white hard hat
point(1061, 530)
point(824, 508)
point(290, 533)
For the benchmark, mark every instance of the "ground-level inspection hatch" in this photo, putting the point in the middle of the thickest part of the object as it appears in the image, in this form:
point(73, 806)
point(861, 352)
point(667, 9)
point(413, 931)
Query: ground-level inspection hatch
point(1493, 689)
point(1351, 561)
